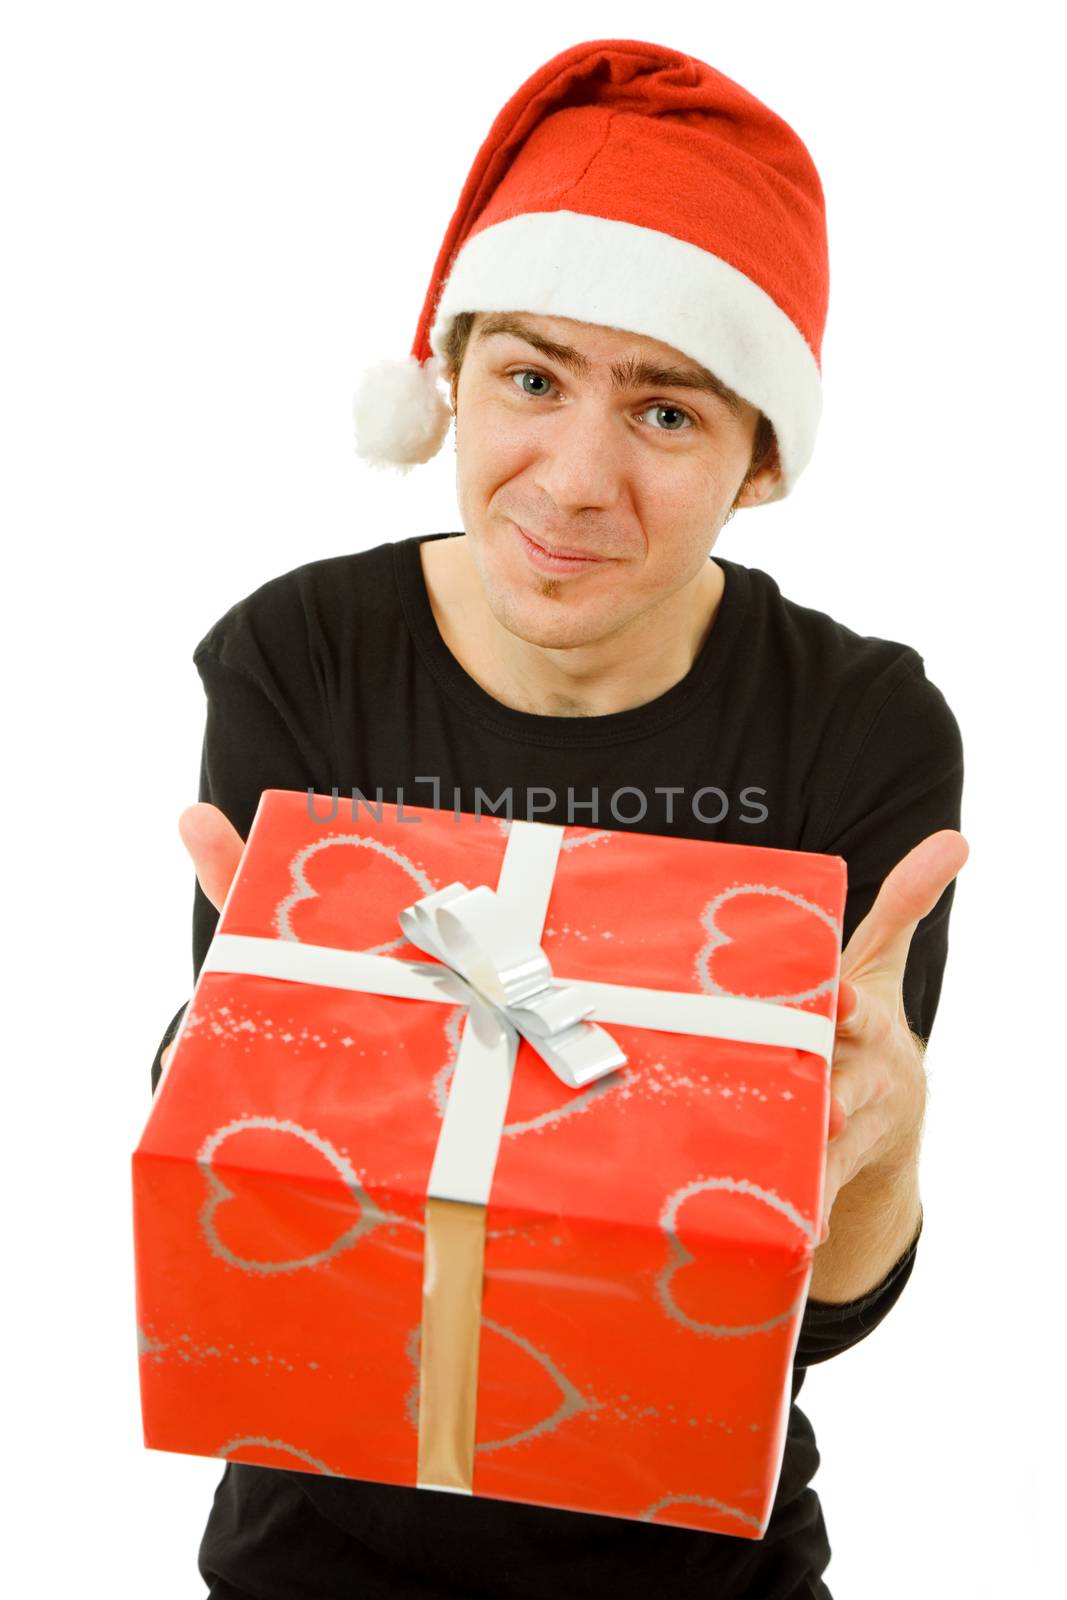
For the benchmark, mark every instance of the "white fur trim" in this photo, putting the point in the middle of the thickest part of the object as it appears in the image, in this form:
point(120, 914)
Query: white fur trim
point(400, 414)
point(596, 269)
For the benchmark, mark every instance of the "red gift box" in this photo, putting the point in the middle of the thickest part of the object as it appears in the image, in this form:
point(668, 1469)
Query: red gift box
point(634, 1274)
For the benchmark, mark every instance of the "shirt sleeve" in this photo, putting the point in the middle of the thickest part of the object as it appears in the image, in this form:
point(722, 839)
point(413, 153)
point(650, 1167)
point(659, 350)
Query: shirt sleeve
point(252, 741)
point(904, 781)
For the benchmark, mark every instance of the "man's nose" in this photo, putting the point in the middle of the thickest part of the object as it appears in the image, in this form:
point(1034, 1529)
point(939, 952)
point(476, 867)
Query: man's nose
point(584, 459)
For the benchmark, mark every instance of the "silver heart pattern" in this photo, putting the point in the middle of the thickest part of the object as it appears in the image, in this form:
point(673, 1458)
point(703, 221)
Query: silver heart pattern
point(680, 1255)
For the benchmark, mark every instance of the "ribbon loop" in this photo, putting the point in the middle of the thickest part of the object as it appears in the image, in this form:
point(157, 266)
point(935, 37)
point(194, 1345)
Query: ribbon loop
point(580, 1055)
point(555, 1009)
point(469, 931)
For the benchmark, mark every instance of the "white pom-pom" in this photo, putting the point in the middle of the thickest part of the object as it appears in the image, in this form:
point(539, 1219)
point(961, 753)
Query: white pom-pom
point(401, 416)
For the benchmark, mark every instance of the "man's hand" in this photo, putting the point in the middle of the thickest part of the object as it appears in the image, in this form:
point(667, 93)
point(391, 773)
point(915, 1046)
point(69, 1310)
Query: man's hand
point(878, 1082)
point(216, 848)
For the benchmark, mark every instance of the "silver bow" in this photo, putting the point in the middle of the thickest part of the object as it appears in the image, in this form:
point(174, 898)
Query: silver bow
point(470, 932)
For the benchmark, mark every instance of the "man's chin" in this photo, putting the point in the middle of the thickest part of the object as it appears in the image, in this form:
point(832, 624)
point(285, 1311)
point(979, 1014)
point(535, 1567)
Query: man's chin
point(530, 616)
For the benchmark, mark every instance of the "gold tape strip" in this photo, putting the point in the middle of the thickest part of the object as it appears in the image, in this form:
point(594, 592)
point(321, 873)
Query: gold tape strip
point(452, 1282)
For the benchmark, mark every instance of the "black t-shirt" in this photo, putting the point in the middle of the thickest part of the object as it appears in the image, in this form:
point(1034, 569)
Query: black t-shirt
point(789, 730)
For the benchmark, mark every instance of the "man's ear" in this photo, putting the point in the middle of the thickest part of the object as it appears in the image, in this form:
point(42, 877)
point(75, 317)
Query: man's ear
point(763, 480)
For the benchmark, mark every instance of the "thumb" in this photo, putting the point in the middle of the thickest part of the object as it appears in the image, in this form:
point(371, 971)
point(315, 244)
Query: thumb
point(910, 892)
point(215, 846)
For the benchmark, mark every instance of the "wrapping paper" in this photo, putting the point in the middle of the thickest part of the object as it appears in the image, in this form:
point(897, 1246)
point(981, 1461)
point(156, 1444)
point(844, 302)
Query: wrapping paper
point(646, 1246)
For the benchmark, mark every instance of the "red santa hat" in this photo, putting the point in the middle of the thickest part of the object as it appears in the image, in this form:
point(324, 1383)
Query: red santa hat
point(633, 186)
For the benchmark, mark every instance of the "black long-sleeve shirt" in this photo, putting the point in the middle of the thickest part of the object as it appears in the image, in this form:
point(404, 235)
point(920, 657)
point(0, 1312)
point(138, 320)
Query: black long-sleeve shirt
point(789, 730)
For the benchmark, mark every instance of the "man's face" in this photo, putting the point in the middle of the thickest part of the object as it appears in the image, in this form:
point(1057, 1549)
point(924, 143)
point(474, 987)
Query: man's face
point(619, 464)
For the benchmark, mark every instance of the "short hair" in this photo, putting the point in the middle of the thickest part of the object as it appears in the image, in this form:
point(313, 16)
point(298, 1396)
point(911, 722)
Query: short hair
point(455, 348)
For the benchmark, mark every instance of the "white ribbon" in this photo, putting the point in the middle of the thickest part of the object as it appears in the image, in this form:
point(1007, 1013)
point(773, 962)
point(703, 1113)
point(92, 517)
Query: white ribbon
point(488, 945)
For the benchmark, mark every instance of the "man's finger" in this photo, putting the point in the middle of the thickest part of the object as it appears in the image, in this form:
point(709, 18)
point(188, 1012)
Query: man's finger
point(215, 846)
point(909, 893)
point(853, 1010)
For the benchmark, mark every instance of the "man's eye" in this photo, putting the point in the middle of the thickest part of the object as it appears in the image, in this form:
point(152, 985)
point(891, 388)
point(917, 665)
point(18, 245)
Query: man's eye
point(675, 411)
point(538, 377)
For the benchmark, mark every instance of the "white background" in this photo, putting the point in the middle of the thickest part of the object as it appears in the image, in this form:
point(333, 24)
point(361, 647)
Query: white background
point(216, 215)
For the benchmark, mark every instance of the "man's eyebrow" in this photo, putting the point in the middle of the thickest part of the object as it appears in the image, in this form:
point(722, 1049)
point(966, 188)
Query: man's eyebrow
point(630, 374)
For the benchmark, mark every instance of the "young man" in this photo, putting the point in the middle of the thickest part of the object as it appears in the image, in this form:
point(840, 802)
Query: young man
point(646, 366)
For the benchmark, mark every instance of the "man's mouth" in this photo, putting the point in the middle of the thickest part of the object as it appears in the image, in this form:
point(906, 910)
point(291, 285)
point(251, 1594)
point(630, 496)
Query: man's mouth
point(557, 558)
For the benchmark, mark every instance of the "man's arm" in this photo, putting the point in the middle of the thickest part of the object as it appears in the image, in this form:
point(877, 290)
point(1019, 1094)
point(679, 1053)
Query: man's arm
point(904, 782)
point(876, 1218)
point(878, 1078)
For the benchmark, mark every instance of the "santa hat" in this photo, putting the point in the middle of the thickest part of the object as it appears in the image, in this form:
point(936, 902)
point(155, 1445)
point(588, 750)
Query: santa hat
point(636, 187)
